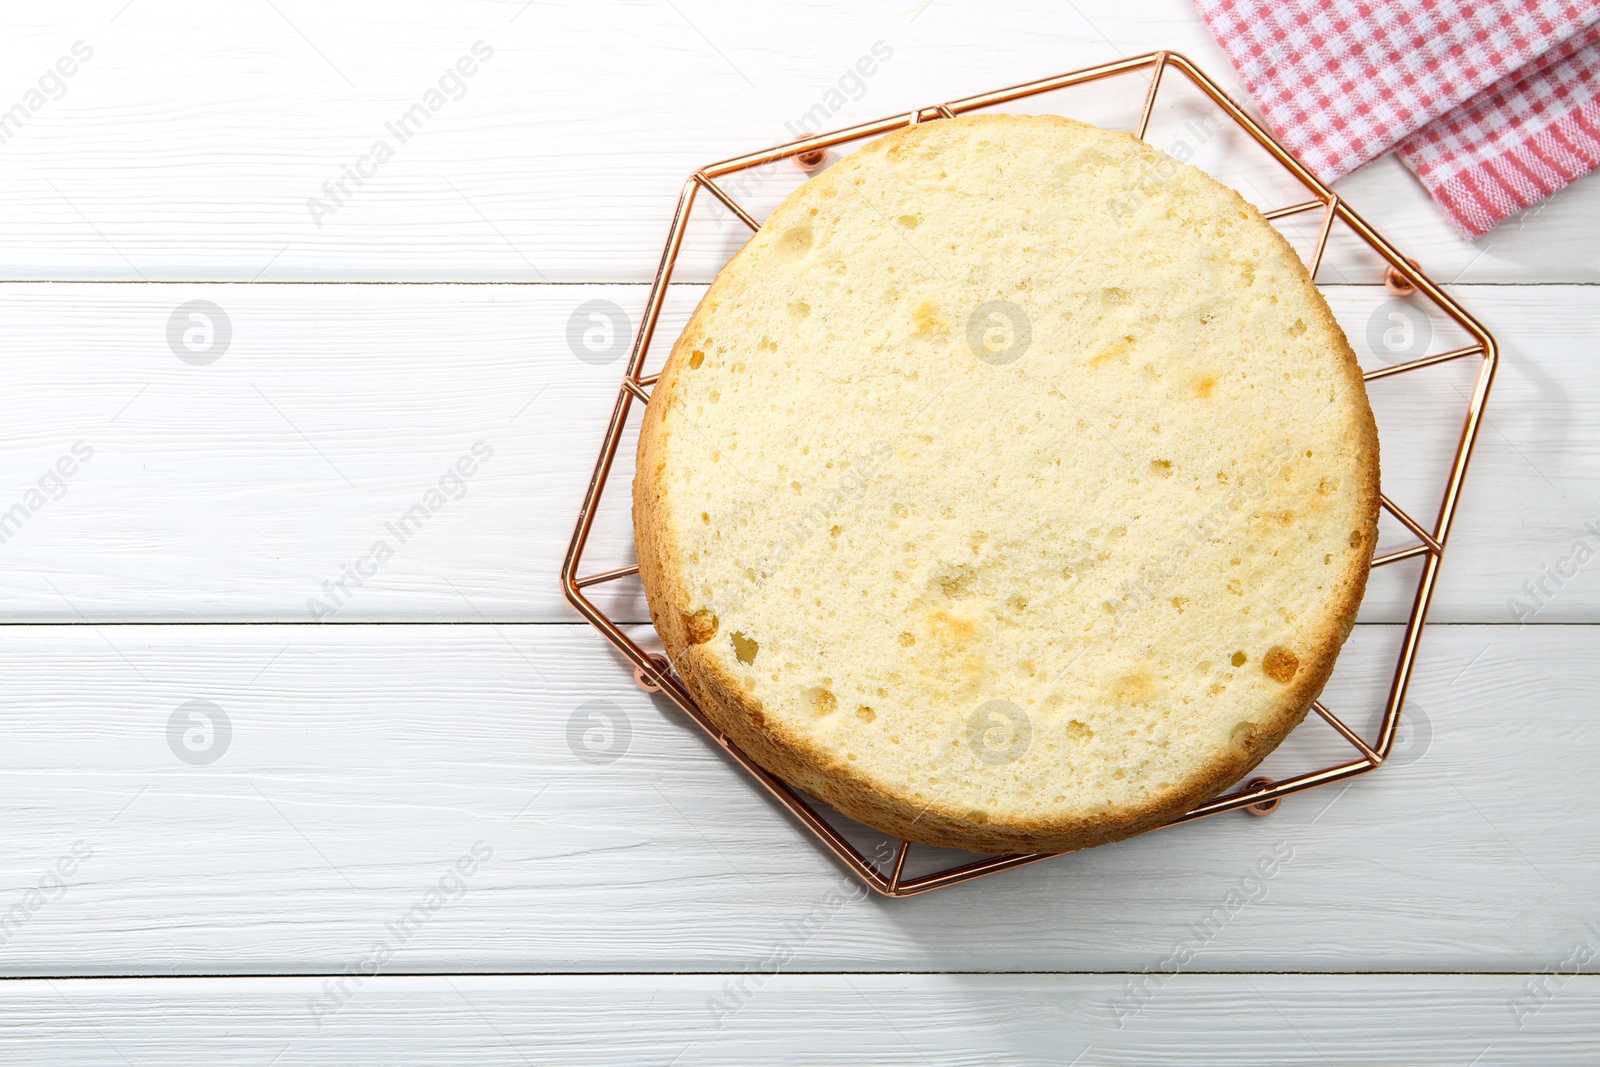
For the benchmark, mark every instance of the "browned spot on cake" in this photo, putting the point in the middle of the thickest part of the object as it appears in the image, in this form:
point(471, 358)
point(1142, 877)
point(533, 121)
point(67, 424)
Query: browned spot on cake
point(1204, 386)
point(1239, 659)
point(700, 626)
point(1246, 736)
point(745, 648)
point(951, 629)
point(1280, 664)
point(696, 358)
point(1119, 350)
point(926, 318)
point(960, 664)
point(954, 583)
point(1134, 688)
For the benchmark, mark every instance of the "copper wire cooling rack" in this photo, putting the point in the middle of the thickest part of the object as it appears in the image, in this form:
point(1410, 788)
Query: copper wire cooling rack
point(1403, 278)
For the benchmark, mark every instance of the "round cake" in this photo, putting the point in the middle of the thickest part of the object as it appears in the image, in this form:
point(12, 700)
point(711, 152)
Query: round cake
point(1012, 489)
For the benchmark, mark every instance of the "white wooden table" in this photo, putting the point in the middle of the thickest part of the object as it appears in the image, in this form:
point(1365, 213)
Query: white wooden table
point(386, 846)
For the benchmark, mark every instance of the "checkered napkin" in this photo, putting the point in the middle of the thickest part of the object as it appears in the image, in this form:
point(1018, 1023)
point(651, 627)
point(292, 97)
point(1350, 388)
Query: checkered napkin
point(1493, 104)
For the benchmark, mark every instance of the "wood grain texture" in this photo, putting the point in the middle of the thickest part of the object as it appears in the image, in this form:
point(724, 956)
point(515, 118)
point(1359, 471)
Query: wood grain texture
point(364, 762)
point(825, 1019)
point(190, 147)
point(367, 766)
point(235, 490)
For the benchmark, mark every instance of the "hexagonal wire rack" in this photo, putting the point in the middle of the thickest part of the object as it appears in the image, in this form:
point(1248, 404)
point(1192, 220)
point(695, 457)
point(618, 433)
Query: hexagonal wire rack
point(1259, 796)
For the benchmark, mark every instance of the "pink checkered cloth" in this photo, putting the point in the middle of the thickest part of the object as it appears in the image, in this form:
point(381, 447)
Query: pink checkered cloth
point(1494, 105)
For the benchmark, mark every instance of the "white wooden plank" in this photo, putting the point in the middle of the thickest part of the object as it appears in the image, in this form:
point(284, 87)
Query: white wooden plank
point(361, 763)
point(190, 147)
point(234, 490)
point(1276, 1019)
point(364, 766)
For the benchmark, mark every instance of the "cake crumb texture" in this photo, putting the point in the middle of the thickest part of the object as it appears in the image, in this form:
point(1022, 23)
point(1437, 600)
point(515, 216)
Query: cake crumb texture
point(1012, 489)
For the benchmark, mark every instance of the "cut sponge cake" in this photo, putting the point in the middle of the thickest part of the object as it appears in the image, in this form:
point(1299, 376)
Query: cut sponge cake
point(1012, 489)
